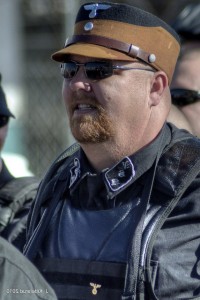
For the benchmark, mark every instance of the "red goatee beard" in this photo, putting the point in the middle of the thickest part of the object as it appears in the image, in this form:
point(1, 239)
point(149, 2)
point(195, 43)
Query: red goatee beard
point(95, 127)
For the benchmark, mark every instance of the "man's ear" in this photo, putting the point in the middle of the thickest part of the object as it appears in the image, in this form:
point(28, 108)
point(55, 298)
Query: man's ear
point(159, 83)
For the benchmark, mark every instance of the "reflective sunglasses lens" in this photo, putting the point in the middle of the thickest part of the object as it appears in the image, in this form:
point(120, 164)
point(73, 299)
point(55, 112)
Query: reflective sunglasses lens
point(98, 70)
point(3, 121)
point(69, 69)
point(183, 97)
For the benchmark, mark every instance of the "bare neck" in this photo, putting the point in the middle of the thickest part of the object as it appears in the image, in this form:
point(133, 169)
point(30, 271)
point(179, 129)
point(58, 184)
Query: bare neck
point(105, 155)
point(102, 156)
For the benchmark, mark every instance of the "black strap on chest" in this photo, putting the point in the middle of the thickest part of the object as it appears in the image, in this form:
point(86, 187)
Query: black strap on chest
point(132, 270)
point(81, 279)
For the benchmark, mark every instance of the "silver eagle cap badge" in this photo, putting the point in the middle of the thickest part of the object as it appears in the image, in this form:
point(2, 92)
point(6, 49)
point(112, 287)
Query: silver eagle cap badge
point(95, 7)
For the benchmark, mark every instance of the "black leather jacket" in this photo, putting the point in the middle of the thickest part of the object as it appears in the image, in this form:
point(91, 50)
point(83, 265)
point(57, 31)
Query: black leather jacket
point(16, 196)
point(136, 224)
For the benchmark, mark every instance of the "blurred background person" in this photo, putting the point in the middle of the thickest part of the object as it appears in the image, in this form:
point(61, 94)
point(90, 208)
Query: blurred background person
point(5, 115)
point(19, 277)
point(16, 194)
point(185, 87)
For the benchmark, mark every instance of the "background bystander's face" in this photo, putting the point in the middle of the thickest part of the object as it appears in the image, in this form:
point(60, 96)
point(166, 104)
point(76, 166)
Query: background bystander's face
point(187, 71)
point(187, 76)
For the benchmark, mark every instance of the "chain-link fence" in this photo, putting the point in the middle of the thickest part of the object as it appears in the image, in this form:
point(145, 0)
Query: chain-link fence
point(44, 118)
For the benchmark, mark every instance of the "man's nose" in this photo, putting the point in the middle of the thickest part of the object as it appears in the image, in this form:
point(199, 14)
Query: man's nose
point(80, 81)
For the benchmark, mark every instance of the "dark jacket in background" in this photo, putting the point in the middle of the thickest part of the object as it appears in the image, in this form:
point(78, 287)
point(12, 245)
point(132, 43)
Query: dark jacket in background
point(19, 279)
point(16, 197)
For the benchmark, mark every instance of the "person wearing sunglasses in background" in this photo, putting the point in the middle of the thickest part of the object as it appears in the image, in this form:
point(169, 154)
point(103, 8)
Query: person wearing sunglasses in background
point(117, 215)
point(185, 87)
point(16, 194)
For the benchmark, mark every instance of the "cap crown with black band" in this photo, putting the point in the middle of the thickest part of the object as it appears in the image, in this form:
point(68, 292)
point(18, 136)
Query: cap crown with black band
point(4, 110)
point(122, 32)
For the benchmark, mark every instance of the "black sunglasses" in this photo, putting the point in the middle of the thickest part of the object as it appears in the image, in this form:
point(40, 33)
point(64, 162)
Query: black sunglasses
point(3, 121)
point(94, 70)
point(183, 97)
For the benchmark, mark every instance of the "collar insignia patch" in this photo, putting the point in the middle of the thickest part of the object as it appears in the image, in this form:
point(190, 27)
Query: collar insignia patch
point(74, 171)
point(120, 175)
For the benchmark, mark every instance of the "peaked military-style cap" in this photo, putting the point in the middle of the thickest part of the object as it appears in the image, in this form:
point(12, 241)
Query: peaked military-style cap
point(122, 32)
